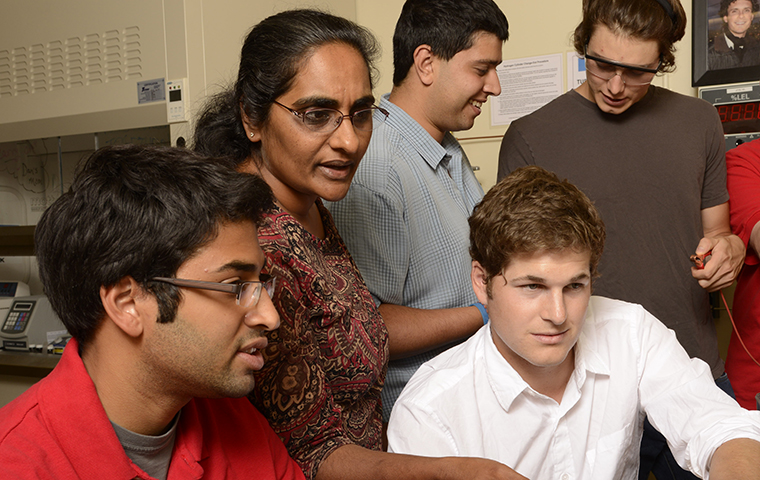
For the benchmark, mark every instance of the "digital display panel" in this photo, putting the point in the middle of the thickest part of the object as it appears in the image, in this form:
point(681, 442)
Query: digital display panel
point(740, 117)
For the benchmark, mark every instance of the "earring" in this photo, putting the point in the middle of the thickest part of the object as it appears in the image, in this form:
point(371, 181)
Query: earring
point(251, 134)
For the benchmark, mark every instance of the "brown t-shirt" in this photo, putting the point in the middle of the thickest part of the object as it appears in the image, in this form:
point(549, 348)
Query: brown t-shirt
point(650, 171)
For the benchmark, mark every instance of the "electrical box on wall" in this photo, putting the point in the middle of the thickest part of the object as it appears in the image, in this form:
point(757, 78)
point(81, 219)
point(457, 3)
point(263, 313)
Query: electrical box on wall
point(175, 101)
point(738, 106)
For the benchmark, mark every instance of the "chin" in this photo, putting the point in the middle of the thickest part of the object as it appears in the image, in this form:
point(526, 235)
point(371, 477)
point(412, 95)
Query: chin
point(334, 195)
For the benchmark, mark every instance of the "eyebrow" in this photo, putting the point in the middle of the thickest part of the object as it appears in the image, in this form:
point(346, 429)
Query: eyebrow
point(325, 102)
point(487, 61)
point(535, 279)
point(238, 266)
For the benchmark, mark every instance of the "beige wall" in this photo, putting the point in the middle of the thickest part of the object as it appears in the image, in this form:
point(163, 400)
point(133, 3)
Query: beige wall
point(525, 40)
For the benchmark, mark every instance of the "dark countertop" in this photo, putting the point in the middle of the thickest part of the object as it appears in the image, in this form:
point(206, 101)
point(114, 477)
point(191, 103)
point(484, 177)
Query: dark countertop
point(27, 364)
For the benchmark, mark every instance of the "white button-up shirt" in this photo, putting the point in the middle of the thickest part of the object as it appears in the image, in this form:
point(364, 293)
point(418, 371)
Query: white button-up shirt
point(469, 401)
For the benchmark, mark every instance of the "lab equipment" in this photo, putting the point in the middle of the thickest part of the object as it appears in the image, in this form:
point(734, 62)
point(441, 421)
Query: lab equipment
point(31, 325)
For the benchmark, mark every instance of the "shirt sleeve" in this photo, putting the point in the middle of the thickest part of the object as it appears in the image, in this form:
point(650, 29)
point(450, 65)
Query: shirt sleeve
point(416, 430)
point(373, 227)
point(714, 190)
point(743, 165)
point(514, 153)
point(681, 400)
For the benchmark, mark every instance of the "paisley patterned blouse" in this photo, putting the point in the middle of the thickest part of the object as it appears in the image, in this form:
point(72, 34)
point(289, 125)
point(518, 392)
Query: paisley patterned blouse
point(325, 366)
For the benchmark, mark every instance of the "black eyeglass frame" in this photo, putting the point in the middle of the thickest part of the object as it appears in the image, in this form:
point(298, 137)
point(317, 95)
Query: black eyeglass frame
point(301, 116)
point(621, 65)
point(266, 283)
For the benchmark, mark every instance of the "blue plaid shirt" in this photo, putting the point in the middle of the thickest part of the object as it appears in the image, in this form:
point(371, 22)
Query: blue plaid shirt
point(404, 221)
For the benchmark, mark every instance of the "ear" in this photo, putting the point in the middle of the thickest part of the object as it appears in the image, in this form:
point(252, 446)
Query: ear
point(128, 306)
point(424, 64)
point(478, 276)
point(252, 132)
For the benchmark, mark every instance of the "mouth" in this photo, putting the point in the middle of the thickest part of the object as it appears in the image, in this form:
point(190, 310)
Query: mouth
point(614, 102)
point(251, 353)
point(550, 338)
point(478, 105)
point(260, 343)
point(338, 170)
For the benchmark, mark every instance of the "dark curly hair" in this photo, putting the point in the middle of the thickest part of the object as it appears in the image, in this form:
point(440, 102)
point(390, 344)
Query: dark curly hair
point(640, 19)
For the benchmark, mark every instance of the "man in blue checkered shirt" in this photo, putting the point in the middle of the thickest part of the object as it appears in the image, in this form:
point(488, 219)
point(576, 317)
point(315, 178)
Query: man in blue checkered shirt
point(405, 217)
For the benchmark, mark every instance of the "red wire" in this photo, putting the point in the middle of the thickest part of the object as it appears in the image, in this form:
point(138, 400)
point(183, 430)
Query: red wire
point(736, 330)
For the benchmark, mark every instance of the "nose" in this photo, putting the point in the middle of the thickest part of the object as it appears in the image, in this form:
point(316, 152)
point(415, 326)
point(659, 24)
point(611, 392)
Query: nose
point(345, 137)
point(554, 308)
point(492, 85)
point(263, 314)
point(616, 84)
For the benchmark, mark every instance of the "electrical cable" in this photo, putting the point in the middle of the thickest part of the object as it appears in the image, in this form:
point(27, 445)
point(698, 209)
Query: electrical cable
point(736, 330)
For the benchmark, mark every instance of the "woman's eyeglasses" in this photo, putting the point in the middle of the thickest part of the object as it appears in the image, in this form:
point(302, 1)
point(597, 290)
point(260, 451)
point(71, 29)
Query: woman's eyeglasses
point(327, 120)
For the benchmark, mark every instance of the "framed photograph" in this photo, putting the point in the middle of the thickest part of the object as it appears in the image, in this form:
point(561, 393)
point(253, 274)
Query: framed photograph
point(726, 41)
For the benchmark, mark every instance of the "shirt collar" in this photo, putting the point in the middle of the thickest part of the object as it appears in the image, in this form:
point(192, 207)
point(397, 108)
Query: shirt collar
point(729, 42)
point(68, 388)
point(588, 349)
point(430, 150)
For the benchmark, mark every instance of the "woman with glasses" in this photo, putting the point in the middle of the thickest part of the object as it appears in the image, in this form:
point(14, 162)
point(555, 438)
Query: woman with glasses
point(301, 115)
point(653, 163)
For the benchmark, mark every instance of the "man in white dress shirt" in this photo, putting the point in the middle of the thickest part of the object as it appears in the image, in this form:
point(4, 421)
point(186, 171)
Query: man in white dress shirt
point(557, 384)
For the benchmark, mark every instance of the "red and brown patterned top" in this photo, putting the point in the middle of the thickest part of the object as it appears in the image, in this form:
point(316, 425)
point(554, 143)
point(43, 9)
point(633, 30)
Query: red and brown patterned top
point(325, 366)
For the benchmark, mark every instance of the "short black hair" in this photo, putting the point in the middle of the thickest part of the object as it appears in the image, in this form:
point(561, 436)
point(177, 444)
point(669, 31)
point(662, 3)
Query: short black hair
point(448, 26)
point(137, 211)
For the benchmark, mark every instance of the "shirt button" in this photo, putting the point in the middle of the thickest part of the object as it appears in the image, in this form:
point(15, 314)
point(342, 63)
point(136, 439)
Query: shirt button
point(565, 476)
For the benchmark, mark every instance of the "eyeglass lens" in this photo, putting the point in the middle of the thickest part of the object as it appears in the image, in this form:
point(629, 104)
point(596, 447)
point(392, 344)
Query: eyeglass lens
point(327, 119)
point(251, 292)
point(606, 71)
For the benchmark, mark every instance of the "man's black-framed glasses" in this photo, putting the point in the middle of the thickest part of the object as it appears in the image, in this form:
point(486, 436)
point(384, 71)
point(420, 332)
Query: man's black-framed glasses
point(631, 75)
point(327, 120)
point(246, 293)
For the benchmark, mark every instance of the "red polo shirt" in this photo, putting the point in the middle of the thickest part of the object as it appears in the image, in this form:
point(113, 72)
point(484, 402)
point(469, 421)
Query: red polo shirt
point(59, 429)
point(743, 164)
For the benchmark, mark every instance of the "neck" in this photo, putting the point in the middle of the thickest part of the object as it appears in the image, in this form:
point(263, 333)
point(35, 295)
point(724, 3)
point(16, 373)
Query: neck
point(552, 381)
point(584, 90)
point(130, 395)
point(546, 380)
point(300, 206)
point(413, 100)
